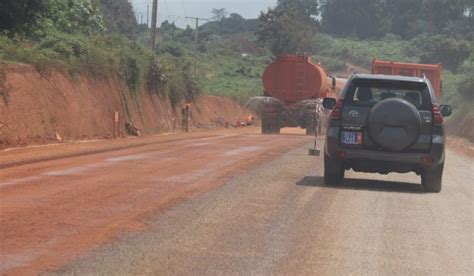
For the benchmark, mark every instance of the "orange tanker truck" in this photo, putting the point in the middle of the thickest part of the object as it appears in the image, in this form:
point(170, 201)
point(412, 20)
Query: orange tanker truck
point(298, 86)
point(431, 71)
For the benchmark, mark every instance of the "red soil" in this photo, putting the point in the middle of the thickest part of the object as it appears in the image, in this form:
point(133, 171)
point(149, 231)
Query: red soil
point(35, 107)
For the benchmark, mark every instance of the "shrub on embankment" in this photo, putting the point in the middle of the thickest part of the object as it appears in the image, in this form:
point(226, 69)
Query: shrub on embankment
point(72, 36)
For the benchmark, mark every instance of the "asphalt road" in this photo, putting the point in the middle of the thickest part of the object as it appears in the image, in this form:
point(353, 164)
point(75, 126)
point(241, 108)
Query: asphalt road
point(279, 218)
point(230, 204)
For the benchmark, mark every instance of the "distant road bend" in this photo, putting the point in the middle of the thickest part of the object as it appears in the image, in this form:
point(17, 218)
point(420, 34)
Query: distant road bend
point(229, 202)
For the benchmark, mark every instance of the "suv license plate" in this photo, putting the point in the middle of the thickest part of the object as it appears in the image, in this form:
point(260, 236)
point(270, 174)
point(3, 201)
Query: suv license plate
point(352, 138)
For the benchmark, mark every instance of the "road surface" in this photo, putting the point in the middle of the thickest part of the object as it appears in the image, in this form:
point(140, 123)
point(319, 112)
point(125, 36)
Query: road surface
point(238, 203)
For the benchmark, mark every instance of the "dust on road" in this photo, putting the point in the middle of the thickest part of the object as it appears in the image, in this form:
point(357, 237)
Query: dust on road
point(54, 211)
point(274, 218)
point(279, 218)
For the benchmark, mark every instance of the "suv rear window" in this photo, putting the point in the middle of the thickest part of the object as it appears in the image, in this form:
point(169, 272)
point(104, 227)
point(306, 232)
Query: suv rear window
point(370, 92)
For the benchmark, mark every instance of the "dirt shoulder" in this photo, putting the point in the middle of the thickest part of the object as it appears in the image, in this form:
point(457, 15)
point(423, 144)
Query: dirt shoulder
point(461, 145)
point(33, 154)
point(55, 211)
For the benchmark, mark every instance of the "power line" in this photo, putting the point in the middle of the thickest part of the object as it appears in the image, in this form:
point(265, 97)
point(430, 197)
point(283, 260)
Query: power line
point(166, 7)
point(184, 9)
point(196, 37)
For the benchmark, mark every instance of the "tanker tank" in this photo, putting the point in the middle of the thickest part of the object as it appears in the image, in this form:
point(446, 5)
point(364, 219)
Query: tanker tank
point(299, 85)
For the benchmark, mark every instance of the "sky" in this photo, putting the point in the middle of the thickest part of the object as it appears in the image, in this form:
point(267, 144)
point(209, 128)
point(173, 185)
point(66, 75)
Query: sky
point(177, 10)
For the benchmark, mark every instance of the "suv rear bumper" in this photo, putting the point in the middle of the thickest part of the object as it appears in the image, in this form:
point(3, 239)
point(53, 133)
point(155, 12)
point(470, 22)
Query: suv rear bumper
point(383, 161)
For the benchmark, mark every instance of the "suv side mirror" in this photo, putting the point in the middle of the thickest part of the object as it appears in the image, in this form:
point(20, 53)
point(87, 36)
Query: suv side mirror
point(446, 110)
point(329, 103)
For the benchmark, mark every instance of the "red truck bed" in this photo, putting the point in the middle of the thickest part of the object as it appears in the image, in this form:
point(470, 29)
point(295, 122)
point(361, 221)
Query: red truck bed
point(431, 71)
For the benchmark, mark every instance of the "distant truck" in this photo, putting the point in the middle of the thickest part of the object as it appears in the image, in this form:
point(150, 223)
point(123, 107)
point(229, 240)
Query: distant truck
point(298, 86)
point(431, 71)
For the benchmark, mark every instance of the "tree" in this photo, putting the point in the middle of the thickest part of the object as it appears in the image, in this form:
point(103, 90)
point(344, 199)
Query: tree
point(119, 16)
point(363, 18)
point(466, 88)
point(307, 9)
point(406, 18)
point(288, 28)
point(78, 16)
point(38, 17)
point(448, 51)
point(219, 14)
point(230, 25)
point(439, 12)
point(20, 16)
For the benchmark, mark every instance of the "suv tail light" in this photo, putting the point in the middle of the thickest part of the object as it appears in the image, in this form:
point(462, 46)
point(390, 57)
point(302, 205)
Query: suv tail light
point(437, 117)
point(337, 110)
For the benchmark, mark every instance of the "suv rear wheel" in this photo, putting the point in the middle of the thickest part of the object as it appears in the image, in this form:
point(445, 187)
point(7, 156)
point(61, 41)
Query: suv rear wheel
point(333, 171)
point(431, 178)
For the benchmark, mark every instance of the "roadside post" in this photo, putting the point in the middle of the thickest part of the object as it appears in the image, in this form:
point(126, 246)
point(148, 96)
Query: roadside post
point(116, 128)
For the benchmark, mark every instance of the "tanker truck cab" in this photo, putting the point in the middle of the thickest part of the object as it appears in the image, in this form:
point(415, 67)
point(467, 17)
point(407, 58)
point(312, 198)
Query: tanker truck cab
point(383, 124)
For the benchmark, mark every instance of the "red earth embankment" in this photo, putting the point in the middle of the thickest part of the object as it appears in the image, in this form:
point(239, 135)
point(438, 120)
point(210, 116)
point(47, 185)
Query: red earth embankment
point(463, 128)
point(40, 108)
point(461, 135)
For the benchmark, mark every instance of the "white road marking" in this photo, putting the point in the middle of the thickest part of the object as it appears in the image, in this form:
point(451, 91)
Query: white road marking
point(18, 181)
point(71, 171)
point(126, 158)
point(242, 150)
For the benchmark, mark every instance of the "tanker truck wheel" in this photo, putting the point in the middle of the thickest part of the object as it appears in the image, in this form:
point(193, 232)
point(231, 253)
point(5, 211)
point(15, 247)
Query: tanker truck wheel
point(270, 126)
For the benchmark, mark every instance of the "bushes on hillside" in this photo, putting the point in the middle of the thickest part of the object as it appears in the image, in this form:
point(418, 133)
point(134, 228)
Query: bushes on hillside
point(369, 19)
point(20, 16)
point(119, 16)
point(71, 17)
point(443, 49)
point(71, 36)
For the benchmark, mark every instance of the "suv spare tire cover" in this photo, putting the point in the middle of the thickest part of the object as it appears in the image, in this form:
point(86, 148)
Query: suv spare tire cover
point(394, 124)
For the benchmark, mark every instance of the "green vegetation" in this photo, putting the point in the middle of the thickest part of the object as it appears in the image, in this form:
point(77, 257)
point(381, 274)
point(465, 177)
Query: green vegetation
point(94, 38)
point(102, 38)
point(286, 28)
point(369, 19)
point(425, 31)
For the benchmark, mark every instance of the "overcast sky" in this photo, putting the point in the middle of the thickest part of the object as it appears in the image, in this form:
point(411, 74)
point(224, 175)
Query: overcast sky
point(177, 10)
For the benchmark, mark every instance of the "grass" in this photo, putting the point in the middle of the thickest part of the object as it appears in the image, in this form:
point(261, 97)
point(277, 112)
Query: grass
point(224, 71)
point(103, 56)
point(221, 68)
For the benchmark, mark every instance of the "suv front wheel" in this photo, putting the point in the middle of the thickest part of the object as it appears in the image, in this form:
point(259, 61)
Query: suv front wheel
point(431, 178)
point(333, 171)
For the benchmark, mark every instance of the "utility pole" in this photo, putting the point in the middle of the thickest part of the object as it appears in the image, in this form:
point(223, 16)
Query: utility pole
point(153, 24)
point(148, 15)
point(196, 37)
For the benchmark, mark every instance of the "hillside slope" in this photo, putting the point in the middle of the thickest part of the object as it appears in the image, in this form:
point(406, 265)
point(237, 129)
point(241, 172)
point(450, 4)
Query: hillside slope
point(37, 108)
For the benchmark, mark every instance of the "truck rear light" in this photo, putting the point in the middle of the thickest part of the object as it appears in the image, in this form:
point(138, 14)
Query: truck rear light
point(341, 154)
point(437, 117)
point(427, 160)
point(337, 110)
